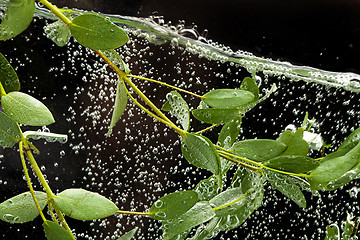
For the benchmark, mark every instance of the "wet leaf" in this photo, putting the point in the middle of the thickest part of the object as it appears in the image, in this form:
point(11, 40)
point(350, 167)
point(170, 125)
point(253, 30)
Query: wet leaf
point(216, 115)
point(229, 133)
point(84, 205)
point(336, 172)
point(173, 205)
point(58, 32)
point(351, 141)
point(228, 98)
point(258, 149)
point(22, 208)
point(54, 231)
point(198, 214)
point(48, 136)
point(228, 202)
point(295, 143)
point(207, 188)
point(166, 107)
point(25, 109)
point(96, 32)
point(8, 77)
point(210, 229)
point(332, 233)
point(286, 187)
point(119, 106)
point(10, 133)
point(249, 84)
point(179, 109)
point(129, 235)
point(17, 17)
point(294, 164)
point(117, 60)
point(200, 151)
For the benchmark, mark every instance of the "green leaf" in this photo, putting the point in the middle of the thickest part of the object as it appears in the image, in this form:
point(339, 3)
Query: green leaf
point(22, 208)
point(201, 152)
point(286, 187)
point(48, 136)
point(228, 202)
point(10, 133)
point(201, 212)
point(212, 228)
point(207, 188)
point(294, 164)
point(351, 141)
point(58, 32)
point(84, 205)
point(349, 228)
point(332, 233)
point(249, 84)
point(8, 77)
point(25, 109)
point(216, 115)
point(228, 98)
point(54, 231)
point(179, 109)
point(295, 143)
point(166, 107)
point(119, 106)
point(17, 17)
point(96, 32)
point(337, 171)
point(116, 59)
point(246, 179)
point(129, 235)
point(173, 205)
point(258, 149)
point(229, 133)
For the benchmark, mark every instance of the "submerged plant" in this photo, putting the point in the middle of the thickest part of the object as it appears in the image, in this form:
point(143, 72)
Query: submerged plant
point(239, 169)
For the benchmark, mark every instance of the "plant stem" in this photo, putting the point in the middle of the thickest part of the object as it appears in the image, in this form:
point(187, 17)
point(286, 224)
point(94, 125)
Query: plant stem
point(230, 203)
point(57, 12)
point(133, 213)
point(62, 220)
point(29, 181)
point(165, 84)
point(207, 129)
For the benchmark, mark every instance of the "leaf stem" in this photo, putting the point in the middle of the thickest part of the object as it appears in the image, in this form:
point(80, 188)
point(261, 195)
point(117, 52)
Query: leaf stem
point(207, 129)
point(21, 150)
point(165, 84)
point(134, 213)
point(2, 90)
point(57, 12)
point(62, 220)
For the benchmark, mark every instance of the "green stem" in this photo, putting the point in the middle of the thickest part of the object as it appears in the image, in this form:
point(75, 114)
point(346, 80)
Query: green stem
point(62, 220)
point(207, 129)
point(57, 12)
point(29, 181)
point(134, 213)
point(165, 84)
point(230, 203)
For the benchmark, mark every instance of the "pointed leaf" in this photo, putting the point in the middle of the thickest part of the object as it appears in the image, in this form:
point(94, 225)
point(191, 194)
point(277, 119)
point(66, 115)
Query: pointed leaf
point(179, 109)
point(200, 151)
point(249, 84)
point(351, 141)
point(84, 205)
point(229, 133)
point(22, 208)
point(54, 231)
point(258, 149)
point(17, 17)
point(295, 143)
point(25, 109)
point(10, 133)
point(173, 205)
point(294, 164)
point(198, 214)
point(332, 232)
point(216, 115)
point(166, 107)
point(129, 235)
point(58, 32)
point(96, 32)
point(8, 77)
point(119, 106)
point(286, 187)
point(228, 98)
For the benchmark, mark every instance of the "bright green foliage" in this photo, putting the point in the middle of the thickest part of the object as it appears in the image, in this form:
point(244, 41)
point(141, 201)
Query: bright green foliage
point(17, 18)
point(296, 145)
point(22, 208)
point(216, 115)
point(228, 202)
point(198, 214)
point(336, 172)
point(54, 231)
point(200, 151)
point(286, 186)
point(229, 133)
point(351, 141)
point(9, 131)
point(84, 205)
point(294, 164)
point(129, 235)
point(25, 109)
point(8, 76)
point(119, 106)
point(228, 98)
point(249, 84)
point(178, 108)
point(173, 205)
point(258, 149)
point(58, 32)
point(96, 32)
